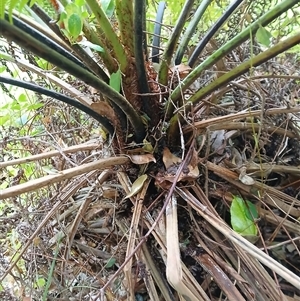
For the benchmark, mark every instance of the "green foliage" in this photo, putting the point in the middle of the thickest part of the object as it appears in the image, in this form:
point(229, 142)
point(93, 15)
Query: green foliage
point(2, 9)
point(96, 28)
point(243, 215)
point(263, 36)
point(15, 245)
point(40, 282)
point(91, 45)
point(4, 206)
point(74, 25)
point(108, 6)
point(115, 80)
point(43, 64)
point(10, 5)
point(111, 262)
point(173, 10)
point(51, 271)
point(72, 19)
point(18, 112)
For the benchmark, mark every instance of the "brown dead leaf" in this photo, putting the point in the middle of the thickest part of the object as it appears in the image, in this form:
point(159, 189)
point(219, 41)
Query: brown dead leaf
point(193, 166)
point(172, 163)
point(160, 181)
point(142, 159)
point(94, 210)
point(46, 120)
point(169, 159)
point(182, 69)
point(110, 193)
point(104, 109)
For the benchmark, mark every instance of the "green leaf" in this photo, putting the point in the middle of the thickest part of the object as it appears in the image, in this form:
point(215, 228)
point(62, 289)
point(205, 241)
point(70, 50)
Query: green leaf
point(2, 9)
point(91, 45)
point(147, 146)
point(6, 106)
point(40, 282)
point(4, 119)
point(110, 263)
point(49, 170)
point(251, 211)
point(108, 7)
point(15, 106)
point(22, 98)
point(80, 2)
point(12, 4)
point(66, 33)
point(72, 8)
point(115, 80)
point(35, 106)
point(84, 15)
point(74, 26)
point(63, 16)
point(241, 213)
point(5, 56)
point(21, 4)
point(263, 36)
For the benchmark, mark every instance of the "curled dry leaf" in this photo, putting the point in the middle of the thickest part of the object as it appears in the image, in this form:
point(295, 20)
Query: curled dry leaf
point(142, 159)
point(218, 141)
point(161, 181)
point(193, 166)
point(136, 186)
point(147, 146)
point(172, 163)
point(169, 159)
point(237, 158)
point(247, 180)
point(244, 178)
